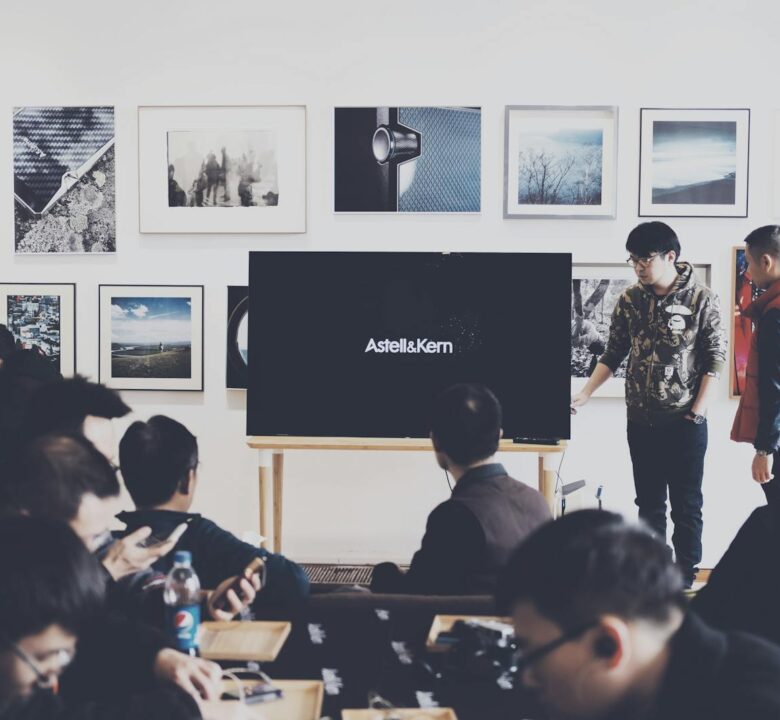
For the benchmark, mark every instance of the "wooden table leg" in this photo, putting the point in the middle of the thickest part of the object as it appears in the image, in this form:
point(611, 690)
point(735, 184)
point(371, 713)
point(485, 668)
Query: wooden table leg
point(547, 479)
point(278, 471)
point(265, 495)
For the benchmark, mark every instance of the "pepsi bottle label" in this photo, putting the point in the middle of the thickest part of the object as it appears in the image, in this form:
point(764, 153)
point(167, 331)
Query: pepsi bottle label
point(183, 624)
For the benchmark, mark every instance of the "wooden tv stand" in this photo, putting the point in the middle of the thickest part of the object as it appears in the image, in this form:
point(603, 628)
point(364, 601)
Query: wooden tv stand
point(271, 464)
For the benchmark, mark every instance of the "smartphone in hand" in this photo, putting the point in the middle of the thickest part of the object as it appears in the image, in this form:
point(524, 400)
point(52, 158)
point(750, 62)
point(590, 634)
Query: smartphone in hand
point(175, 535)
point(256, 566)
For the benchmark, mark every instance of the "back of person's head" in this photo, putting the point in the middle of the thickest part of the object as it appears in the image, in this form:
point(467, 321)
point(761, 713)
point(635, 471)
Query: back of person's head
point(7, 344)
point(52, 474)
point(466, 423)
point(64, 406)
point(156, 458)
point(764, 241)
point(652, 237)
point(589, 564)
point(48, 578)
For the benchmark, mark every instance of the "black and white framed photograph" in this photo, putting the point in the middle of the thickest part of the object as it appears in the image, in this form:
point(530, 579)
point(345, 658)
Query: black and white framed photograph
point(596, 288)
point(42, 317)
point(407, 159)
point(560, 161)
point(151, 337)
point(237, 337)
point(222, 169)
point(64, 180)
point(694, 163)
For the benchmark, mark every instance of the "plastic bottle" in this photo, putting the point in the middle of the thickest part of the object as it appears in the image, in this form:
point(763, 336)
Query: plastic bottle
point(182, 597)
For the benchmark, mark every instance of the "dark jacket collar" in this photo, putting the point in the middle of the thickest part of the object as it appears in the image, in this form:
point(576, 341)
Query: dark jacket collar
point(154, 518)
point(481, 472)
point(698, 652)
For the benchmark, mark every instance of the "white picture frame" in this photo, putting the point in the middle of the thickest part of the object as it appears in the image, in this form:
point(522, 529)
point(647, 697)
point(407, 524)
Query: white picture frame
point(579, 142)
point(151, 337)
point(694, 162)
point(258, 137)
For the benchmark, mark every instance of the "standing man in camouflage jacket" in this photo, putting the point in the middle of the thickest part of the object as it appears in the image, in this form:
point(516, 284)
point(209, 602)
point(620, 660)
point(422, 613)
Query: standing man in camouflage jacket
point(669, 326)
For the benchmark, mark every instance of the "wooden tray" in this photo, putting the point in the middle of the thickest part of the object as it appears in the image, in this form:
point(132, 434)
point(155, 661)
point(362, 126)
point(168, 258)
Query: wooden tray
point(243, 641)
point(302, 700)
point(404, 713)
point(444, 623)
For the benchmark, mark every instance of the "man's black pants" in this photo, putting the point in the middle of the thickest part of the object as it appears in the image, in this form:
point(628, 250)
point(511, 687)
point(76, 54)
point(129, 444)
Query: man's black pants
point(671, 456)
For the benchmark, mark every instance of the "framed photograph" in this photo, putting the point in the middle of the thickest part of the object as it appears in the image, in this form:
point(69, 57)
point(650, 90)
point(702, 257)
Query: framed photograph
point(64, 180)
point(151, 337)
point(596, 288)
point(42, 316)
point(237, 337)
point(743, 292)
point(560, 161)
point(222, 169)
point(694, 163)
point(407, 159)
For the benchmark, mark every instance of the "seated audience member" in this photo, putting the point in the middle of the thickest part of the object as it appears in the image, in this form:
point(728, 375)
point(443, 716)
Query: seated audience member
point(64, 478)
point(23, 373)
point(52, 593)
point(159, 461)
point(600, 617)
point(469, 537)
point(743, 591)
point(76, 405)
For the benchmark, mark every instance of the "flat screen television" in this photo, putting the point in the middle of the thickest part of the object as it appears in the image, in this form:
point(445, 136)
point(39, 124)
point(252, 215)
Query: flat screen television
point(357, 344)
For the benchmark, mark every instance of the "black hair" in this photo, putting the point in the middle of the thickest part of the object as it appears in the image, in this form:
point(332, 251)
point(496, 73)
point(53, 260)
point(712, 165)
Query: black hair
point(63, 406)
point(7, 342)
point(466, 423)
point(156, 458)
point(764, 241)
point(51, 475)
point(48, 577)
point(588, 564)
point(652, 237)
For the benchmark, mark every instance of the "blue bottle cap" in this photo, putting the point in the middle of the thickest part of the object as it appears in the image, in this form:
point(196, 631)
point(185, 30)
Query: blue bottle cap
point(182, 557)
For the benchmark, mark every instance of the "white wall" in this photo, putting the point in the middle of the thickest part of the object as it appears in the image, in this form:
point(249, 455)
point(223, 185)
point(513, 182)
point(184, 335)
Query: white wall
point(346, 52)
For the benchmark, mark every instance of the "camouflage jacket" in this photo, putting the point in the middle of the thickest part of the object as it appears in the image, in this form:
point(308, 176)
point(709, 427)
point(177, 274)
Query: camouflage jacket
point(670, 342)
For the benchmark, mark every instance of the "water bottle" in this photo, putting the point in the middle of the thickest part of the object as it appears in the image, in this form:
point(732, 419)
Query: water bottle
point(182, 604)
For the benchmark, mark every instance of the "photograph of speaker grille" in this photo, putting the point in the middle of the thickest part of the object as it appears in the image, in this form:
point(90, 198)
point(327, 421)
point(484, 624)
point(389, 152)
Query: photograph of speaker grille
point(408, 159)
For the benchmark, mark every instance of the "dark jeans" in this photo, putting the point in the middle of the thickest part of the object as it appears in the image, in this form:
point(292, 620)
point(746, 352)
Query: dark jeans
point(671, 456)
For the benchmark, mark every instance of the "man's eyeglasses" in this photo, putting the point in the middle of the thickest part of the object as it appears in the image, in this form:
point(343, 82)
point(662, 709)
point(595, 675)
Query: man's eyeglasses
point(643, 261)
point(43, 680)
point(524, 661)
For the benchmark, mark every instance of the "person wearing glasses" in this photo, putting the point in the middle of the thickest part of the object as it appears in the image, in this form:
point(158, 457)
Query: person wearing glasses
point(603, 631)
point(52, 592)
point(669, 326)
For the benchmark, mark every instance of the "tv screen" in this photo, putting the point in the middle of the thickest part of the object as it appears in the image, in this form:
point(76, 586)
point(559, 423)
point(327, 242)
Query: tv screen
point(357, 344)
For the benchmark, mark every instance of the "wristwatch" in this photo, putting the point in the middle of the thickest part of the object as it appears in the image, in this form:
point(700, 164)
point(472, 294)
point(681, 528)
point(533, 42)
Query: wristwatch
point(762, 453)
point(697, 419)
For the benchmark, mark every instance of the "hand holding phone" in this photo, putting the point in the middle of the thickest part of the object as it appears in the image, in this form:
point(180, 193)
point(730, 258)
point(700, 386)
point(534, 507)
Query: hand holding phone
point(250, 579)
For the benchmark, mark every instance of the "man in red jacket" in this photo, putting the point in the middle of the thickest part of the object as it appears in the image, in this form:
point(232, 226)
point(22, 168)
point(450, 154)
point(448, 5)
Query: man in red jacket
point(758, 416)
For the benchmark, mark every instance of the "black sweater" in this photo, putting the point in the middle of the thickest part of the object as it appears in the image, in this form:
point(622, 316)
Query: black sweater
point(218, 555)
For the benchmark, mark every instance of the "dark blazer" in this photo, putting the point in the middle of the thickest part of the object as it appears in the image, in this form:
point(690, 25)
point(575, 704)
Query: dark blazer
point(743, 592)
point(719, 676)
point(218, 555)
point(469, 538)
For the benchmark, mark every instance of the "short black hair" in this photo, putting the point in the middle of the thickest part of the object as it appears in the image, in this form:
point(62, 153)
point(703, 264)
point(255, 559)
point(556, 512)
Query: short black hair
point(652, 237)
point(51, 475)
point(765, 241)
point(64, 405)
point(49, 578)
point(591, 563)
point(156, 458)
point(7, 342)
point(466, 423)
